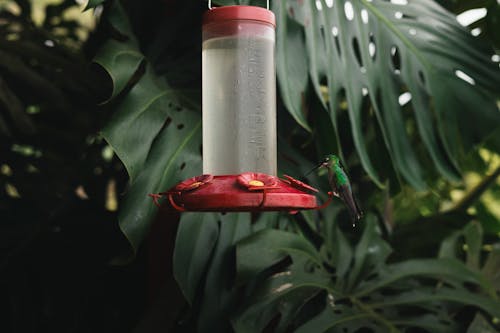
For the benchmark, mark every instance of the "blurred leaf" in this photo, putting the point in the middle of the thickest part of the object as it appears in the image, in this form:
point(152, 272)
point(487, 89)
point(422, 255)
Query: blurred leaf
point(491, 268)
point(15, 109)
point(271, 246)
point(284, 293)
point(291, 63)
point(386, 49)
point(93, 4)
point(370, 253)
point(120, 60)
point(380, 297)
point(162, 146)
point(196, 238)
point(219, 296)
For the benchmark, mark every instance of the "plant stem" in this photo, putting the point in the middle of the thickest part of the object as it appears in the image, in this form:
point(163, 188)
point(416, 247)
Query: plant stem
point(476, 192)
point(374, 315)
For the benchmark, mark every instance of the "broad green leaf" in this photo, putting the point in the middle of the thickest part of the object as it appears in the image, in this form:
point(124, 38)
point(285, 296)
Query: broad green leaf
point(158, 141)
point(480, 325)
point(173, 156)
point(450, 269)
point(196, 238)
point(426, 296)
point(139, 118)
point(93, 4)
point(271, 246)
point(120, 60)
point(449, 246)
point(370, 254)
point(376, 51)
point(283, 294)
point(491, 268)
point(291, 63)
point(346, 320)
point(342, 256)
point(474, 239)
point(334, 316)
point(219, 296)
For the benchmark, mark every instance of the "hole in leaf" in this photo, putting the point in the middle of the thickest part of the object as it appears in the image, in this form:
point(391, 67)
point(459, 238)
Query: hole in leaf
point(389, 292)
point(329, 3)
point(470, 16)
point(470, 286)
point(399, 2)
point(398, 15)
point(323, 37)
point(396, 59)
point(357, 52)
point(406, 311)
point(319, 6)
point(323, 80)
point(372, 47)
point(337, 45)
point(404, 98)
point(180, 126)
point(335, 31)
point(465, 77)
point(476, 32)
point(349, 10)
point(421, 77)
point(273, 324)
point(183, 165)
point(412, 31)
point(330, 269)
point(364, 16)
point(365, 298)
point(166, 123)
point(178, 108)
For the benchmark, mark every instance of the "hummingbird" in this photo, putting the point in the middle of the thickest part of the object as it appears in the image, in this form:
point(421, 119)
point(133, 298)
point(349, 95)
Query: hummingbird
point(341, 186)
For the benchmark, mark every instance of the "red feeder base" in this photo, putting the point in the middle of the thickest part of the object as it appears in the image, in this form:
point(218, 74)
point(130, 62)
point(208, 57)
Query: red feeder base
point(248, 192)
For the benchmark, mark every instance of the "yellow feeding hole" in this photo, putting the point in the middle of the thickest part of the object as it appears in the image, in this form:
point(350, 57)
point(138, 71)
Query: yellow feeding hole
point(195, 184)
point(255, 183)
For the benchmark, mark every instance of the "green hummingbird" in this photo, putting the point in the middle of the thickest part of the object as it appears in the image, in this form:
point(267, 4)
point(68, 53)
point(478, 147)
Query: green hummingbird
point(341, 186)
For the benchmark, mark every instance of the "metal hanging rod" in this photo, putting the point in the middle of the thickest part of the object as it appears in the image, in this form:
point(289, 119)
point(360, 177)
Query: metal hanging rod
point(210, 4)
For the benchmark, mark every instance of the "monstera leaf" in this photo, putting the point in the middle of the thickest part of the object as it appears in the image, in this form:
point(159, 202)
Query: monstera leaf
point(406, 62)
point(345, 288)
point(156, 138)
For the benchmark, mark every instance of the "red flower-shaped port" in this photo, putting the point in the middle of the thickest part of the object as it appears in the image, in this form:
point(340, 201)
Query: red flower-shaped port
point(299, 185)
point(254, 181)
point(193, 183)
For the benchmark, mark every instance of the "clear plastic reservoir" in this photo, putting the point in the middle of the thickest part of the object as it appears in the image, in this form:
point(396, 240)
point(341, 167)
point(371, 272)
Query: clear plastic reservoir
point(239, 91)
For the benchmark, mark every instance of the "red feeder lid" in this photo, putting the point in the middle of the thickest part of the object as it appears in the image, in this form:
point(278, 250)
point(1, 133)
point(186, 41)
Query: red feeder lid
point(229, 13)
point(250, 192)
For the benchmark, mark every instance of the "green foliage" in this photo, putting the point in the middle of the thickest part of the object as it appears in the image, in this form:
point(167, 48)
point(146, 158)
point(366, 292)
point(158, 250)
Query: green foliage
point(155, 137)
point(345, 288)
point(341, 75)
point(381, 50)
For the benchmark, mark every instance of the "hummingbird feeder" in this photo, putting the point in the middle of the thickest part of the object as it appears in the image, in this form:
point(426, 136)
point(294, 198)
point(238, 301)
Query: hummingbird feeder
point(239, 120)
